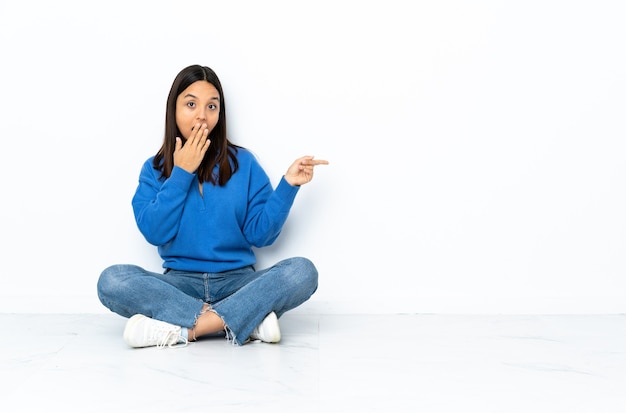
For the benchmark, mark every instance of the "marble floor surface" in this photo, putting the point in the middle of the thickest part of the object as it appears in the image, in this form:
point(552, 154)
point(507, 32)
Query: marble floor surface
point(355, 363)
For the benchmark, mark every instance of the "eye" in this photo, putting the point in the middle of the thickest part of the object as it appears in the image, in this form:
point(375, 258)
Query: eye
point(191, 104)
point(212, 106)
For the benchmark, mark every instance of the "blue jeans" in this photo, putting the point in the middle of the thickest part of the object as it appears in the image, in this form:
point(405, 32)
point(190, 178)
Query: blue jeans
point(242, 297)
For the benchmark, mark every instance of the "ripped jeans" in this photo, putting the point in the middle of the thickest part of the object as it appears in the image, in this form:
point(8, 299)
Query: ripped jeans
point(242, 297)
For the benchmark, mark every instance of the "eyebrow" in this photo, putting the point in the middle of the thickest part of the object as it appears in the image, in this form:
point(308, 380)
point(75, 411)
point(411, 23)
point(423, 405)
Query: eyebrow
point(189, 95)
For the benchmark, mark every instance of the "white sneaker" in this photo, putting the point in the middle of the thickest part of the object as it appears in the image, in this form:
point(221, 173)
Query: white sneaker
point(142, 331)
point(268, 331)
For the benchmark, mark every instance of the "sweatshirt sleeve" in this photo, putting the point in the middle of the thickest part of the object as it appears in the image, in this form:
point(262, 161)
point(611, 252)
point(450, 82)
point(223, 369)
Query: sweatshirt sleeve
point(158, 204)
point(268, 209)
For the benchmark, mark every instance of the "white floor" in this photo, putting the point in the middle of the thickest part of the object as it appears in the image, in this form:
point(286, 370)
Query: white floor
point(354, 363)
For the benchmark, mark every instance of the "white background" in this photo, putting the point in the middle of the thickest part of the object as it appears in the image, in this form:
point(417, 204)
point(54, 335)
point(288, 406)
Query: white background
point(476, 148)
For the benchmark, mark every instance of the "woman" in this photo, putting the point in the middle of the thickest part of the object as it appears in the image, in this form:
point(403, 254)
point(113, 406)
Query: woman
point(205, 203)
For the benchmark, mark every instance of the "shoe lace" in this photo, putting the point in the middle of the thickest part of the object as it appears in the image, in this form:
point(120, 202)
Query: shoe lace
point(171, 339)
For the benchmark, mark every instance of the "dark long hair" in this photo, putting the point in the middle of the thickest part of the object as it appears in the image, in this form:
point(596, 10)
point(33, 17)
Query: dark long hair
point(221, 152)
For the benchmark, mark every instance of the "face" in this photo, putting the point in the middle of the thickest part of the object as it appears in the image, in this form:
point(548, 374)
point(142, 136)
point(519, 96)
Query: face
point(198, 104)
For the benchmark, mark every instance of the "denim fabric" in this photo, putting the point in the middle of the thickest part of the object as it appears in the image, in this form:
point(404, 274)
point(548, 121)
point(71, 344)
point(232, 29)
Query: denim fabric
point(242, 297)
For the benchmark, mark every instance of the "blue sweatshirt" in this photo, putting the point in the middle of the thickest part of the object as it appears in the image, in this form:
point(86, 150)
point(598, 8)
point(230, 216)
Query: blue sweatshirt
point(214, 231)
